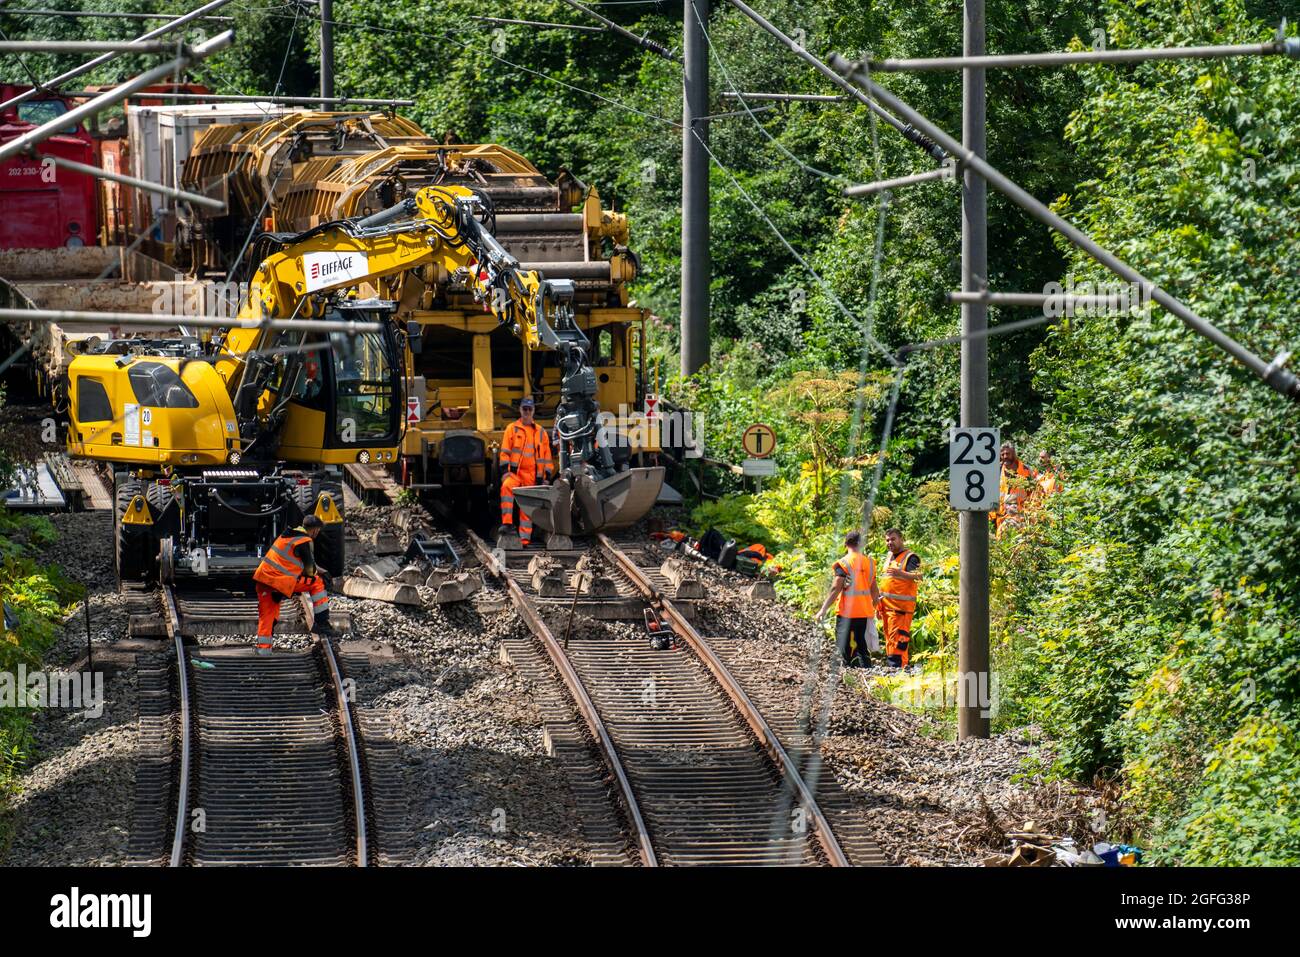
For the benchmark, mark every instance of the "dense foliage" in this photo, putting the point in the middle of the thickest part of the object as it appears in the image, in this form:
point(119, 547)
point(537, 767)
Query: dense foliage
point(34, 598)
point(1149, 622)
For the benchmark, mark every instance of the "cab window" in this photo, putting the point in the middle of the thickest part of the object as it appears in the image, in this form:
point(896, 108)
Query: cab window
point(92, 401)
point(40, 112)
point(158, 385)
point(363, 372)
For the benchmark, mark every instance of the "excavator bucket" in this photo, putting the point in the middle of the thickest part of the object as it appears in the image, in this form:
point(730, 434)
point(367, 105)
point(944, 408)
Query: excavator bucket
point(585, 506)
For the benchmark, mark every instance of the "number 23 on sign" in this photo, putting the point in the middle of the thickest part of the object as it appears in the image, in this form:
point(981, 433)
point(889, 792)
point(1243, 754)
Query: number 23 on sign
point(973, 469)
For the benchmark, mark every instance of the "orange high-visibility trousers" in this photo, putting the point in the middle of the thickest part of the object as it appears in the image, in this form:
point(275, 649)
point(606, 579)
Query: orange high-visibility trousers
point(508, 485)
point(268, 605)
point(896, 622)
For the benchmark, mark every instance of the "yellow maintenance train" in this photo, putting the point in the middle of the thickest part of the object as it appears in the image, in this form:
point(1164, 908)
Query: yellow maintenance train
point(223, 444)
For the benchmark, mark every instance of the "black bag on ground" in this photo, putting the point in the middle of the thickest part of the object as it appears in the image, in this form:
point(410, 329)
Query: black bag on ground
point(711, 543)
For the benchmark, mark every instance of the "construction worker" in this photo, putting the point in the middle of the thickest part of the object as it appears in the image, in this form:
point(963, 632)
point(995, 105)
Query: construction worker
point(902, 572)
point(525, 460)
point(1015, 487)
point(857, 594)
point(1049, 475)
point(289, 568)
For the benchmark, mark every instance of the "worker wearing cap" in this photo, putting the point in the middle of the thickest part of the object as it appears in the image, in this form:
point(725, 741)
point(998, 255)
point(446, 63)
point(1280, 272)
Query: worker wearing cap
point(289, 568)
point(857, 596)
point(525, 460)
point(898, 598)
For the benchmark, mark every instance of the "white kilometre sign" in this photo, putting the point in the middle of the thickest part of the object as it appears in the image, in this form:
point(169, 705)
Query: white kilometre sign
point(973, 469)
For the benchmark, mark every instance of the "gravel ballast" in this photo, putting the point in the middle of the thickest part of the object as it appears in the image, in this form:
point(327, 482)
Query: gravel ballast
point(480, 788)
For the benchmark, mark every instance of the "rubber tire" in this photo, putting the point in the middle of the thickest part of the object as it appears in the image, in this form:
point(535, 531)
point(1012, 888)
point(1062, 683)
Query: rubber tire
point(129, 561)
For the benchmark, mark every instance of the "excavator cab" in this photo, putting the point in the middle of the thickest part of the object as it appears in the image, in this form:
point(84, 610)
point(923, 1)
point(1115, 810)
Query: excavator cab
point(337, 396)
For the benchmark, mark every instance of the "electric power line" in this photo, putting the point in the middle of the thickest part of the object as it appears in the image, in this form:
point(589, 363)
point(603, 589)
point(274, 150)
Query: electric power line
point(472, 47)
point(735, 91)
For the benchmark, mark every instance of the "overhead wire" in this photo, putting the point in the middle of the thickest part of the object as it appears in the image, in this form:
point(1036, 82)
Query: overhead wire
point(449, 37)
point(775, 230)
point(735, 90)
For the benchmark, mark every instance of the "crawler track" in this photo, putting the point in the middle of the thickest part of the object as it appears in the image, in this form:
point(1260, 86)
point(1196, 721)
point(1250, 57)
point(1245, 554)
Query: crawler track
point(270, 768)
point(699, 775)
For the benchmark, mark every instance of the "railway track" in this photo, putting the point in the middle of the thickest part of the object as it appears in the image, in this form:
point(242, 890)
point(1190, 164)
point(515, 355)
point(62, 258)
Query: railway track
point(699, 775)
point(268, 767)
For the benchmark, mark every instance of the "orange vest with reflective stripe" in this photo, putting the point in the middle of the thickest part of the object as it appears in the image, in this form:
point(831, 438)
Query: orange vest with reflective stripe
point(526, 450)
point(898, 592)
point(280, 568)
point(855, 600)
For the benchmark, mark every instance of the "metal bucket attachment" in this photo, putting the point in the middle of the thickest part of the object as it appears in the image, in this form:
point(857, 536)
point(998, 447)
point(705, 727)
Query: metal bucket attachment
point(585, 506)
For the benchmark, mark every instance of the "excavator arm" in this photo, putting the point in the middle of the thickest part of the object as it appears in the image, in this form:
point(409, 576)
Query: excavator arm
point(440, 226)
point(305, 278)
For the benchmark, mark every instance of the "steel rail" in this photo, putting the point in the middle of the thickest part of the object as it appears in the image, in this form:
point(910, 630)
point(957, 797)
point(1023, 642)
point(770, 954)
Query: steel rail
point(173, 623)
point(578, 691)
point(748, 710)
point(354, 752)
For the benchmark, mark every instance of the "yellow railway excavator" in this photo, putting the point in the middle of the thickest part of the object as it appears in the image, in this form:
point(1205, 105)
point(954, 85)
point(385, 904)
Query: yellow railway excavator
point(221, 444)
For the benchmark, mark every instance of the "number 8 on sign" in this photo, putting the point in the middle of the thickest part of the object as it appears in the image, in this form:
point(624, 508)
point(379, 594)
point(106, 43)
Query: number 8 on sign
point(973, 469)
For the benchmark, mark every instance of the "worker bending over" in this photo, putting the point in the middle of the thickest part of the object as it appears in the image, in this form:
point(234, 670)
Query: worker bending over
point(857, 594)
point(525, 460)
point(898, 598)
point(289, 568)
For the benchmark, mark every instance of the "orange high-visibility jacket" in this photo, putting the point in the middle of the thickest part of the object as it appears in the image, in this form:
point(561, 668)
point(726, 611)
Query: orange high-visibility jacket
point(527, 450)
point(281, 568)
point(855, 600)
point(1015, 487)
point(898, 593)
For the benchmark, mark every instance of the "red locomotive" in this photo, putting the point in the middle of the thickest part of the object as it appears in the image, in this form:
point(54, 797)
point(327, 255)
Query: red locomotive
point(42, 206)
